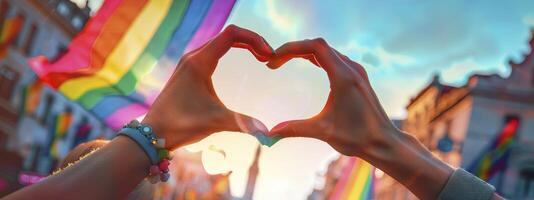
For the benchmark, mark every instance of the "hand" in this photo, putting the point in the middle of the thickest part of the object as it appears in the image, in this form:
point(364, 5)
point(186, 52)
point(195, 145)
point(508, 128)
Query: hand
point(354, 123)
point(352, 119)
point(187, 110)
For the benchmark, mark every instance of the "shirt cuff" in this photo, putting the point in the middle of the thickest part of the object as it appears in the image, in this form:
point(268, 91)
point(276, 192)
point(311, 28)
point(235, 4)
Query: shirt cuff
point(463, 185)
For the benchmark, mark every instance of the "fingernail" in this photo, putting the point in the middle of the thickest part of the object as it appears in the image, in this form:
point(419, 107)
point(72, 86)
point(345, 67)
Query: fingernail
point(272, 64)
point(258, 126)
point(279, 126)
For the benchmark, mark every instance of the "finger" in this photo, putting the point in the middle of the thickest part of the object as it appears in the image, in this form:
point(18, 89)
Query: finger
point(294, 128)
point(258, 56)
point(354, 65)
point(234, 36)
point(363, 74)
point(317, 48)
point(312, 59)
point(242, 123)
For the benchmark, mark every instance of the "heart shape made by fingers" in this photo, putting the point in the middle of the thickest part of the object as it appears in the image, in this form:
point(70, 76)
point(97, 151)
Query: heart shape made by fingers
point(247, 86)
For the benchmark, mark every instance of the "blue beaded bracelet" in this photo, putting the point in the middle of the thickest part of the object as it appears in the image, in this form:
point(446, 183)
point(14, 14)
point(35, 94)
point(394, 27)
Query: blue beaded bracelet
point(143, 142)
point(153, 147)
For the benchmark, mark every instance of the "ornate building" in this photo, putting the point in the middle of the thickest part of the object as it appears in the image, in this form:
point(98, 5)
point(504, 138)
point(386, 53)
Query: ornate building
point(47, 26)
point(458, 124)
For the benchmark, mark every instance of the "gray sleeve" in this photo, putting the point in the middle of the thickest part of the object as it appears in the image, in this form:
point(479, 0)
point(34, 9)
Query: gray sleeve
point(465, 186)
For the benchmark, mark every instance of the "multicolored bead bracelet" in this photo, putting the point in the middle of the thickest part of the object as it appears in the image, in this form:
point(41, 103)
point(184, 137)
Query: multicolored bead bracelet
point(154, 147)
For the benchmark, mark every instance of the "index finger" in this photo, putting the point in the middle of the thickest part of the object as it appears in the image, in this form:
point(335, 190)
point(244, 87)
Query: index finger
point(234, 36)
point(317, 48)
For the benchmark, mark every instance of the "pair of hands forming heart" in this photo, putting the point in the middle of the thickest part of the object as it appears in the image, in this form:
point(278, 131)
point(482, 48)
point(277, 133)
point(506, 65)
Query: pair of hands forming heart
point(188, 109)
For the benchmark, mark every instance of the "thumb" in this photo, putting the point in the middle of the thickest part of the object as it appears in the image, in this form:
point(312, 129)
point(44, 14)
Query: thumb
point(294, 128)
point(246, 124)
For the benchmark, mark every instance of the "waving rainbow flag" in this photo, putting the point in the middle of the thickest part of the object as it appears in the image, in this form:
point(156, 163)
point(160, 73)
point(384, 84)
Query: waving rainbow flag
point(495, 157)
point(355, 182)
point(117, 65)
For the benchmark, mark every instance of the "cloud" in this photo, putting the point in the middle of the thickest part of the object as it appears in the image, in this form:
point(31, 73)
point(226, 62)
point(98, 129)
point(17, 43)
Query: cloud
point(434, 31)
point(282, 20)
point(529, 20)
point(458, 72)
point(371, 59)
point(375, 56)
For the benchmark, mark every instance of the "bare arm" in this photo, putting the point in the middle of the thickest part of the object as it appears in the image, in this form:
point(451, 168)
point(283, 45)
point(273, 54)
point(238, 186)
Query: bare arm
point(186, 111)
point(354, 123)
point(108, 173)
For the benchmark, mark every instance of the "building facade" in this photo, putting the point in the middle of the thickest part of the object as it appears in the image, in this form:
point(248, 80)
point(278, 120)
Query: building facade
point(47, 28)
point(459, 123)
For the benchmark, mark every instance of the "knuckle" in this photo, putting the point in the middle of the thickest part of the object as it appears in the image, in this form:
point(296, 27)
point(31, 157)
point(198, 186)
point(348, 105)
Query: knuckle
point(362, 71)
point(232, 26)
point(320, 42)
point(188, 59)
point(191, 61)
point(345, 80)
point(231, 30)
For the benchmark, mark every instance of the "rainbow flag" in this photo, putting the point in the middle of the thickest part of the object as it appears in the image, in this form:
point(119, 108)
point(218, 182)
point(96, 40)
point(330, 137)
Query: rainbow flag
point(9, 33)
point(494, 159)
point(82, 134)
point(355, 182)
point(119, 62)
point(32, 96)
point(60, 126)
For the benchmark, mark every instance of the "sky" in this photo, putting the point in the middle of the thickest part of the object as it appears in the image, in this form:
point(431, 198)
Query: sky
point(401, 44)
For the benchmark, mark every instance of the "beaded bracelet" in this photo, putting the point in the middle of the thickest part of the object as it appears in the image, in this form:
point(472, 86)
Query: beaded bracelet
point(154, 147)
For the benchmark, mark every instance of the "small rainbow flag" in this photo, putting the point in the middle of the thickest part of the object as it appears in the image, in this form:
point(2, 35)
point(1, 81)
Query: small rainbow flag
point(355, 182)
point(117, 65)
point(32, 97)
point(61, 126)
point(82, 134)
point(9, 33)
point(495, 157)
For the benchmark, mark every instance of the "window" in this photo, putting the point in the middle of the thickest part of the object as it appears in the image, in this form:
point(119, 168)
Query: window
point(526, 184)
point(49, 102)
point(8, 80)
point(63, 9)
point(61, 50)
point(77, 22)
point(27, 44)
point(19, 40)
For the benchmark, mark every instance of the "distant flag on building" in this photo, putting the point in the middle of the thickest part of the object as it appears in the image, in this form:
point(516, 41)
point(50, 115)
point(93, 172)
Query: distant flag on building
point(356, 181)
point(59, 129)
point(495, 157)
point(119, 62)
point(82, 134)
point(32, 96)
point(9, 33)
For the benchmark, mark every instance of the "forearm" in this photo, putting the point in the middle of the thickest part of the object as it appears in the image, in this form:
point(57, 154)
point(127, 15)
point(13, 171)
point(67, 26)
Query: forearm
point(109, 173)
point(409, 162)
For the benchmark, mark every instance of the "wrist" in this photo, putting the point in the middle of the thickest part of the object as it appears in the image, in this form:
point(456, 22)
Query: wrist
point(404, 158)
point(153, 146)
point(161, 131)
